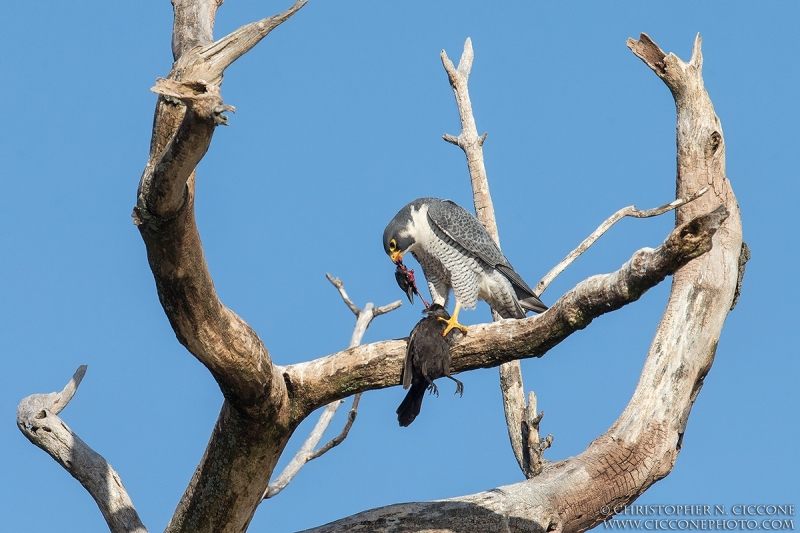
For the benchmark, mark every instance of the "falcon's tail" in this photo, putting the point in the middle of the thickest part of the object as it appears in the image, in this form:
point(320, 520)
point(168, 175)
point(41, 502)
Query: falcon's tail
point(532, 303)
point(528, 300)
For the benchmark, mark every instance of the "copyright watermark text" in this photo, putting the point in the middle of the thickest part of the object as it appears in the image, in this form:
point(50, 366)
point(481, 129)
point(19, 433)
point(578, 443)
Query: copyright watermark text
point(741, 517)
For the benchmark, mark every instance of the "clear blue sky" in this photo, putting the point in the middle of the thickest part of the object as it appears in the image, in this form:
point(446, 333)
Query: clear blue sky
point(339, 120)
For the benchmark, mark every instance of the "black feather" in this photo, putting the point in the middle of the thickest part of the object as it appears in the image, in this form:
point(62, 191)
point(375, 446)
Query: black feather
point(427, 358)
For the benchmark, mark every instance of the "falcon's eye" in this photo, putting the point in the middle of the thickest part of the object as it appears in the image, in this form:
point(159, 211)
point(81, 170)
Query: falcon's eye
point(392, 245)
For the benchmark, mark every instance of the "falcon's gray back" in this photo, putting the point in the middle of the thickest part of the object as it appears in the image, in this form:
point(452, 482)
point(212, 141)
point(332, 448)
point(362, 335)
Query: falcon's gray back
point(466, 230)
point(462, 226)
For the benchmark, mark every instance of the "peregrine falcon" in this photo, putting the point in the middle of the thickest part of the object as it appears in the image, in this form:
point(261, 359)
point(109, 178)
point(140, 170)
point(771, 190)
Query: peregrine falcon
point(427, 358)
point(456, 252)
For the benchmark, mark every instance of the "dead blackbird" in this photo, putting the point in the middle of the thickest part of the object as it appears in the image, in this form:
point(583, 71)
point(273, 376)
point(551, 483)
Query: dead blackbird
point(427, 358)
point(405, 279)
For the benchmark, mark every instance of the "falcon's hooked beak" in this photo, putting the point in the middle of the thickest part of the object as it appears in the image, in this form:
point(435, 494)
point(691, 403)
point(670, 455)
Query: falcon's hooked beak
point(396, 257)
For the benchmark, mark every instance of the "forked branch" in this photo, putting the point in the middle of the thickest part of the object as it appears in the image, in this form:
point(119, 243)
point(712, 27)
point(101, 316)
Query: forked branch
point(37, 420)
point(306, 452)
point(188, 110)
point(629, 211)
point(254, 424)
point(218, 56)
point(468, 140)
point(511, 386)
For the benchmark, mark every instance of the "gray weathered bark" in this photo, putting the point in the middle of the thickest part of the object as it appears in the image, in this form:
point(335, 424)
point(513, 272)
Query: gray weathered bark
point(254, 424)
point(37, 419)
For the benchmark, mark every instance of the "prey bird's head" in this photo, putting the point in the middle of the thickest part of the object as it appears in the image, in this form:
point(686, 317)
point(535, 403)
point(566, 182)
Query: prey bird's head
point(405, 281)
point(400, 237)
point(437, 311)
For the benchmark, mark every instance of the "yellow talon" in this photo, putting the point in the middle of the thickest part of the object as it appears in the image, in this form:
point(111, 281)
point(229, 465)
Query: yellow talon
point(453, 322)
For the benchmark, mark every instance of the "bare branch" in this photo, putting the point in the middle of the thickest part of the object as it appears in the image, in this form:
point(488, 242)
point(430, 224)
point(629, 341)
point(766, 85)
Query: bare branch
point(37, 420)
point(514, 408)
point(245, 444)
point(199, 62)
point(197, 58)
point(451, 139)
point(362, 323)
point(511, 385)
point(629, 211)
point(65, 396)
point(186, 115)
point(306, 452)
point(468, 140)
point(340, 287)
point(337, 440)
point(218, 56)
point(534, 447)
point(377, 311)
point(363, 318)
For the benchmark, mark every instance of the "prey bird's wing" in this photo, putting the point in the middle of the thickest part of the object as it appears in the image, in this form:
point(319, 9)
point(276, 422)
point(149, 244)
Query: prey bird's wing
point(408, 366)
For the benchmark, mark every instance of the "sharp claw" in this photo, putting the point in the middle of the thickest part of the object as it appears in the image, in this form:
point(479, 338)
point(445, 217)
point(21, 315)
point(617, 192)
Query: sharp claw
point(452, 324)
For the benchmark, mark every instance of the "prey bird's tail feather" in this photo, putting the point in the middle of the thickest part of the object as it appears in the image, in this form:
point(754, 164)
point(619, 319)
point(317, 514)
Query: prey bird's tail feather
point(411, 404)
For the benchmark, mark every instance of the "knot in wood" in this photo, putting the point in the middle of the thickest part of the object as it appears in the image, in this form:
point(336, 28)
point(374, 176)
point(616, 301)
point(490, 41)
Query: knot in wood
point(713, 144)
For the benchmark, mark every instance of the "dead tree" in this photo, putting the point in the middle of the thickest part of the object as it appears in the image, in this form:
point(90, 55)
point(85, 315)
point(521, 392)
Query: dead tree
point(264, 403)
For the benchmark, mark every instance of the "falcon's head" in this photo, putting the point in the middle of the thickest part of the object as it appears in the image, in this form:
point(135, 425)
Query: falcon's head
point(399, 235)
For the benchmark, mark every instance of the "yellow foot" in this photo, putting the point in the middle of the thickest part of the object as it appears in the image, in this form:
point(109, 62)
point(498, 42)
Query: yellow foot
point(452, 323)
